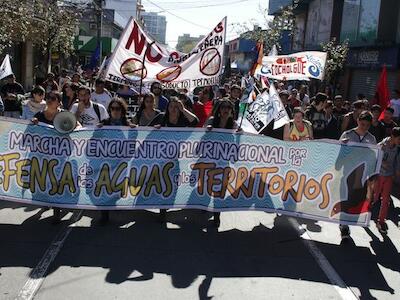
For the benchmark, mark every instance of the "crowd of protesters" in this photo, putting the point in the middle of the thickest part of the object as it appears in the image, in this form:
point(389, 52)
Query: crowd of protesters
point(321, 116)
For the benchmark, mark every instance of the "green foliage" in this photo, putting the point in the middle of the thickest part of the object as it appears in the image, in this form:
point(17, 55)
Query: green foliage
point(336, 58)
point(280, 23)
point(49, 24)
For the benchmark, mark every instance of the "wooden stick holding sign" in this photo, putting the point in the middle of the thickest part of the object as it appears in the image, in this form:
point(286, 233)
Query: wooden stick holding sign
point(148, 48)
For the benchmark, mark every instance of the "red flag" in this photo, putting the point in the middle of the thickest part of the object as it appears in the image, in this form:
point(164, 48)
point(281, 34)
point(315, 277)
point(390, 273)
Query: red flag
point(382, 94)
point(260, 54)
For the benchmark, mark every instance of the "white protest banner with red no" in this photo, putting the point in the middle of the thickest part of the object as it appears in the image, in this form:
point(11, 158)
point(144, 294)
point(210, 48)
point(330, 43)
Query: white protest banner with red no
point(137, 56)
point(296, 66)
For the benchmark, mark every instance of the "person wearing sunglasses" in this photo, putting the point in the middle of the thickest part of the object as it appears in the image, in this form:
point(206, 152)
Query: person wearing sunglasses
point(161, 102)
point(117, 110)
point(53, 107)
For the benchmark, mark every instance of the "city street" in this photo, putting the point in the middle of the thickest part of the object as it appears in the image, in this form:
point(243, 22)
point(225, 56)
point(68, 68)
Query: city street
point(253, 255)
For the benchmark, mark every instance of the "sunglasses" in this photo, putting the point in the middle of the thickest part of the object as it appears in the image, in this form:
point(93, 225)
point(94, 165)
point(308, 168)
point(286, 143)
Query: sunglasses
point(116, 108)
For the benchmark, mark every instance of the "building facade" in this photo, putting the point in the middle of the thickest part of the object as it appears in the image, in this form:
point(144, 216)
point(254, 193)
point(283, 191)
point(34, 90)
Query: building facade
point(372, 28)
point(186, 42)
point(86, 41)
point(124, 8)
point(155, 24)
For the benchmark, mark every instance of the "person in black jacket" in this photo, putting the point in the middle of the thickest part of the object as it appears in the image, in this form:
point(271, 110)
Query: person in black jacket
point(316, 115)
point(332, 127)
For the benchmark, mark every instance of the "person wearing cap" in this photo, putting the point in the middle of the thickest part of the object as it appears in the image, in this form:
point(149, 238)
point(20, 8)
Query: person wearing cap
point(395, 104)
point(50, 85)
point(294, 98)
point(12, 94)
point(338, 110)
point(100, 94)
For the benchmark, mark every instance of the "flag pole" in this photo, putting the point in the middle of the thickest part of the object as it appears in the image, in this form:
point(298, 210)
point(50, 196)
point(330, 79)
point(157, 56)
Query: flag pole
point(244, 111)
point(143, 63)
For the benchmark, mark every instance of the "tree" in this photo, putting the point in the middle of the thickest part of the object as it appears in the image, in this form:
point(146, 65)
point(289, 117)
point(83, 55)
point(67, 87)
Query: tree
point(336, 58)
point(16, 17)
point(285, 21)
point(49, 24)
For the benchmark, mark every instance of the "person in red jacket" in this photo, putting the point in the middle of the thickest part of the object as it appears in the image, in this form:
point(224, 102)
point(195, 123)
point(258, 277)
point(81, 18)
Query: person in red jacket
point(203, 107)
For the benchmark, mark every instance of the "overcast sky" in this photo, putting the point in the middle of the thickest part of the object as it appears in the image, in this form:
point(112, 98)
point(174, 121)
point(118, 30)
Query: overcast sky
point(199, 17)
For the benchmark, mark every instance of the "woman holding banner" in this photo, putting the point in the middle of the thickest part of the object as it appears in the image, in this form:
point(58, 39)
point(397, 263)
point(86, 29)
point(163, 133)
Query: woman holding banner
point(117, 110)
point(298, 129)
point(176, 115)
point(53, 107)
point(224, 117)
point(147, 115)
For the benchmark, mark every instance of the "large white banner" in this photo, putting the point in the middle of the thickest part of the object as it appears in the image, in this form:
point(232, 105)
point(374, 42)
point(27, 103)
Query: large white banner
point(138, 56)
point(296, 66)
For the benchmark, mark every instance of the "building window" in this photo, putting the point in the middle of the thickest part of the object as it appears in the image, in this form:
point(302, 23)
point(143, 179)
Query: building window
point(360, 21)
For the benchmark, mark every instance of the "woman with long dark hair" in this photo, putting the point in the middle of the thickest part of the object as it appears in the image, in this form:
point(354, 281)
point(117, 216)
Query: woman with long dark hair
point(176, 115)
point(224, 117)
point(69, 94)
point(117, 110)
point(147, 115)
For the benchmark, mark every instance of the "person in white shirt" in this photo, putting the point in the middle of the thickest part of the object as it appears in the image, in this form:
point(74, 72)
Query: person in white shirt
point(86, 111)
point(395, 104)
point(101, 95)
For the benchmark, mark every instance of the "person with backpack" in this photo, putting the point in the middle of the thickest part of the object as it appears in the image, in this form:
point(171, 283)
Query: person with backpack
point(86, 111)
point(298, 129)
point(316, 115)
point(389, 169)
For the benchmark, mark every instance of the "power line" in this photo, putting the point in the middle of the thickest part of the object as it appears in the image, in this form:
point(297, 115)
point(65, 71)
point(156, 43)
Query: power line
point(208, 5)
point(176, 16)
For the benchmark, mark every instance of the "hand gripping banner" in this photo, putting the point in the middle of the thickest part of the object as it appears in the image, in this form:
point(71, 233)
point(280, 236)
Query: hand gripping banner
point(138, 56)
point(119, 168)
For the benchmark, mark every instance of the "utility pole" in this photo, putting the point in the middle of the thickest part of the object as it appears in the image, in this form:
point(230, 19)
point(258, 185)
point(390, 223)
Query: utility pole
point(99, 16)
point(139, 9)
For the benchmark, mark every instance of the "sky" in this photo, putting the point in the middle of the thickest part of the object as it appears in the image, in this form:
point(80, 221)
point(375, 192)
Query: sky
point(200, 17)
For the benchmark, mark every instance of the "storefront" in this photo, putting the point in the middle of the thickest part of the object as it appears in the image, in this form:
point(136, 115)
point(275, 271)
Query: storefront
point(363, 69)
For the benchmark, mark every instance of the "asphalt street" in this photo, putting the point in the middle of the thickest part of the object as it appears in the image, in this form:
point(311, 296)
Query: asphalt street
point(253, 255)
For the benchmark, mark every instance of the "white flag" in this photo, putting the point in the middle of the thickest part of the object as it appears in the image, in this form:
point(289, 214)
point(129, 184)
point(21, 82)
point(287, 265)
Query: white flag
point(254, 119)
point(281, 117)
point(261, 112)
point(5, 68)
point(248, 90)
point(100, 73)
